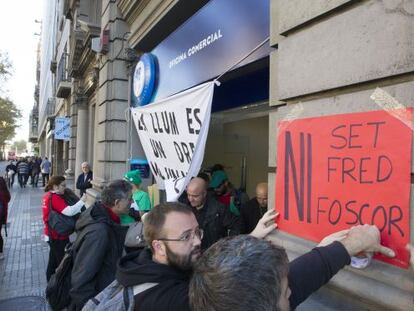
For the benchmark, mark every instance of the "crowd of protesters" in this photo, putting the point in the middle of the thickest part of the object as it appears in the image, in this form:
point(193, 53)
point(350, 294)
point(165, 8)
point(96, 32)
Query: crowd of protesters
point(205, 252)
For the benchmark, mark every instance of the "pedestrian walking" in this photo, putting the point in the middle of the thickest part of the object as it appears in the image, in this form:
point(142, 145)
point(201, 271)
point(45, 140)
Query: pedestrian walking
point(4, 202)
point(29, 174)
point(35, 172)
point(23, 173)
point(11, 170)
point(45, 169)
point(53, 199)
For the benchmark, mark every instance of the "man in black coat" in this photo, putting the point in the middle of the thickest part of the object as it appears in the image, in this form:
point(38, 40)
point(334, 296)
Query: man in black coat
point(84, 179)
point(99, 243)
point(254, 209)
point(213, 217)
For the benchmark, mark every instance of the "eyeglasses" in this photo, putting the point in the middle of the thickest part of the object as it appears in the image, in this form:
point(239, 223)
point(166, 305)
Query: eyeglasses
point(187, 236)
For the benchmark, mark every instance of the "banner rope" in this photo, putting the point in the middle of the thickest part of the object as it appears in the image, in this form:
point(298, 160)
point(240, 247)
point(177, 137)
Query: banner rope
point(216, 80)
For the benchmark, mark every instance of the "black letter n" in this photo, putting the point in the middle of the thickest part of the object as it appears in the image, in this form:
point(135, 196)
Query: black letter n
point(290, 159)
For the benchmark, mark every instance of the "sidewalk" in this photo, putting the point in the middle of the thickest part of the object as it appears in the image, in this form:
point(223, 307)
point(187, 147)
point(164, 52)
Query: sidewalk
point(22, 272)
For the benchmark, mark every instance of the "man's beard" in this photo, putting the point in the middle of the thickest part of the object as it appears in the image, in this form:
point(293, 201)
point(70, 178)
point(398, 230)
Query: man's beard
point(181, 262)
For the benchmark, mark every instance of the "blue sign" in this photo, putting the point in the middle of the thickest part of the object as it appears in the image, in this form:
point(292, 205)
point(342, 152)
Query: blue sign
point(210, 42)
point(62, 128)
point(143, 81)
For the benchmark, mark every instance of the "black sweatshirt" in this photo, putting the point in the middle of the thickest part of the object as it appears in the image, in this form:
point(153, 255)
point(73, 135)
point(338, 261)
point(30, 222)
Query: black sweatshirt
point(171, 293)
point(309, 272)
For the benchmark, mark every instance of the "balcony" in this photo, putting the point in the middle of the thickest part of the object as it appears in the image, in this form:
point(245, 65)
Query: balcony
point(62, 79)
point(50, 108)
point(33, 135)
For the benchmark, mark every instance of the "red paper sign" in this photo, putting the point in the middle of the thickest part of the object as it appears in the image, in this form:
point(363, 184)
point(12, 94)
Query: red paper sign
point(338, 171)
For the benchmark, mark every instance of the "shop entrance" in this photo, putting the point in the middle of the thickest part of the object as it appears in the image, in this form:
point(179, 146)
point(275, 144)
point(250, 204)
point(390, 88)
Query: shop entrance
point(239, 140)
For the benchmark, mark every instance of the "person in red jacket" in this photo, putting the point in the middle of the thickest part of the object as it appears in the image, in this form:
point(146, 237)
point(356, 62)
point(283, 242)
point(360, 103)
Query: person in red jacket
point(54, 189)
point(4, 202)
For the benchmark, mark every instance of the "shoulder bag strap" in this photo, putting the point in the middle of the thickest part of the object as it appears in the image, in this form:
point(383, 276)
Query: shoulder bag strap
point(50, 202)
point(47, 222)
point(138, 289)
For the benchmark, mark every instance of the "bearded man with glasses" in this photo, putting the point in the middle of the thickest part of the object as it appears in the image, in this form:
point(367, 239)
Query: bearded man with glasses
point(174, 244)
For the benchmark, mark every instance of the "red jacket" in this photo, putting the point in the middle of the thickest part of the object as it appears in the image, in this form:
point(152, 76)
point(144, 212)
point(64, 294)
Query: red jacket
point(5, 199)
point(58, 204)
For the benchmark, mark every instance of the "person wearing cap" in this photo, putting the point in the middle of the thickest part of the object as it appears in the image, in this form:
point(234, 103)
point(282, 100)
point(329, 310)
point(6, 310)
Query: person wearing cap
point(225, 192)
point(141, 200)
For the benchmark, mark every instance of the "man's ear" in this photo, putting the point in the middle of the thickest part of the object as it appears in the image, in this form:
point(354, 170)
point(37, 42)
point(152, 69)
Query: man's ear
point(116, 205)
point(159, 248)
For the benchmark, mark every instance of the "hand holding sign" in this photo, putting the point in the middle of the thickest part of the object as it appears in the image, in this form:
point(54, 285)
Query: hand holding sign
point(365, 238)
point(263, 228)
point(337, 236)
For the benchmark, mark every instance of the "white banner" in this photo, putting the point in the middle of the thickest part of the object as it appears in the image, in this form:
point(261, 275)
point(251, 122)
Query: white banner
point(173, 133)
point(62, 128)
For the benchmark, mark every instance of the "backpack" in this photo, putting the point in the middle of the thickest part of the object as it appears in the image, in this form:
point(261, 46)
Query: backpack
point(135, 235)
point(116, 297)
point(57, 290)
point(62, 224)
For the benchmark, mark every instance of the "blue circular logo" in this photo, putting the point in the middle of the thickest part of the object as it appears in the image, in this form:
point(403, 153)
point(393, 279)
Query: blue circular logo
point(143, 82)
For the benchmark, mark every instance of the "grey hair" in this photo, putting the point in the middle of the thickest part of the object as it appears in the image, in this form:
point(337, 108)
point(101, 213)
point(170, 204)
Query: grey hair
point(115, 190)
point(239, 273)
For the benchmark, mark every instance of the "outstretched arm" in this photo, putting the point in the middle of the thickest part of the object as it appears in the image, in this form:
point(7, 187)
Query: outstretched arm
point(312, 270)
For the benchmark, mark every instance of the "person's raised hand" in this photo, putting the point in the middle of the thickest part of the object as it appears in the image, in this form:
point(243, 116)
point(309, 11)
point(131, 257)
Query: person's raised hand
point(365, 238)
point(263, 228)
point(336, 236)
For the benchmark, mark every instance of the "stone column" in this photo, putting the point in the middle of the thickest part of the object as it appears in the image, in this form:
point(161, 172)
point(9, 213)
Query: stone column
point(81, 138)
point(69, 173)
point(110, 154)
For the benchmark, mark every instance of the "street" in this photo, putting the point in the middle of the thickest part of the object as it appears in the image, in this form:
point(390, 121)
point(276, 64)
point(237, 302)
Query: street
point(22, 271)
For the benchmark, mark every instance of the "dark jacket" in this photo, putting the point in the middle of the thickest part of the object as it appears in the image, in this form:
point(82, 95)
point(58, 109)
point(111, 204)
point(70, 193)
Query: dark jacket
point(35, 168)
point(82, 184)
point(217, 222)
point(4, 204)
point(11, 167)
point(250, 214)
point(23, 168)
point(306, 275)
point(170, 294)
point(98, 246)
point(309, 272)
